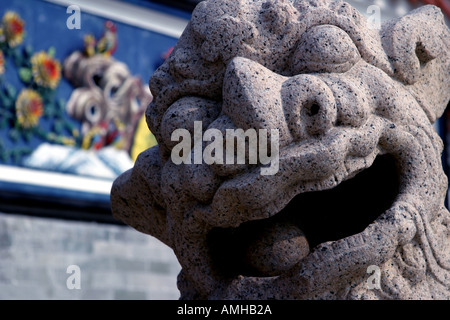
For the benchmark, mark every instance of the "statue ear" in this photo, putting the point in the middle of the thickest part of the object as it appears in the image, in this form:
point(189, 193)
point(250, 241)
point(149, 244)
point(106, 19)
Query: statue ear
point(418, 47)
point(136, 196)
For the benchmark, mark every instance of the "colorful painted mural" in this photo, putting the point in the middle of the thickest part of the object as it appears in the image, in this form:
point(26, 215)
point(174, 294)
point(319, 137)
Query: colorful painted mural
point(73, 100)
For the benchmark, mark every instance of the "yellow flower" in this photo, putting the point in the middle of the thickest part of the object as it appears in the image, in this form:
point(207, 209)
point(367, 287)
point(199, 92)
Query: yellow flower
point(13, 28)
point(46, 70)
point(29, 108)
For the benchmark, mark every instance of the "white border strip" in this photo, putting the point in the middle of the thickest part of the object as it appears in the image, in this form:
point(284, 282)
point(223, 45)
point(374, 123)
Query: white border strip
point(54, 180)
point(130, 14)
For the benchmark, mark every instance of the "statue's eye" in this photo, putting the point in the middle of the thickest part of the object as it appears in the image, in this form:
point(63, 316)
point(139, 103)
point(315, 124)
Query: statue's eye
point(324, 48)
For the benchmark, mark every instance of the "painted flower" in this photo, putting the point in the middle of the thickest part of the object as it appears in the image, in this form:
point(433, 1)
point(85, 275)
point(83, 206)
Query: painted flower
point(29, 108)
point(46, 70)
point(13, 28)
point(2, 63)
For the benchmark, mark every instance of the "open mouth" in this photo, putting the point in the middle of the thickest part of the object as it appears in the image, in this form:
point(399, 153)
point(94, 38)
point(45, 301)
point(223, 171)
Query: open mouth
point(309, 219)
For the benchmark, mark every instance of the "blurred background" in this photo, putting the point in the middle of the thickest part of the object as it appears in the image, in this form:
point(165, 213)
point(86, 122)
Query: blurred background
point(73, 90)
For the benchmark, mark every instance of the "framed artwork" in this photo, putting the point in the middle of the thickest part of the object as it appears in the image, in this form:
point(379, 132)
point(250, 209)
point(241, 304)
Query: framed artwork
point(73, 92)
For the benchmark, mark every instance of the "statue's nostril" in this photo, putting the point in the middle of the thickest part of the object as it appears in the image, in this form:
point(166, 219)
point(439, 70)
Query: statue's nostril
point(309, 106)
point(318, 117)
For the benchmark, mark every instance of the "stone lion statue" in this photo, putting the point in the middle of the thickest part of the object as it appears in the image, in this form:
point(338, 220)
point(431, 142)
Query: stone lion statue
point(355, 209)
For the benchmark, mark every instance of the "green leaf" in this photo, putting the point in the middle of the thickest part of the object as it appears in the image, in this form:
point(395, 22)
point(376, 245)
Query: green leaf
point(3, 123)
point(16, 156)
point(49, 110)
point(69, 127)
point(28, 135)
point(25, 74)
point(4, 155)
point(41, 133)
point(6, 102)
point(47, 94)
point(51, 52)
point(28, 51)
point(19, 60)
point(7, 51)
point(61, 103)
point(25, 151)
point(10, 91)
point(58, 126)
point(14, 135)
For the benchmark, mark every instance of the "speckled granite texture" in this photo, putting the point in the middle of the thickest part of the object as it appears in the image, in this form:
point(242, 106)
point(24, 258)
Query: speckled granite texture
point(360, 183)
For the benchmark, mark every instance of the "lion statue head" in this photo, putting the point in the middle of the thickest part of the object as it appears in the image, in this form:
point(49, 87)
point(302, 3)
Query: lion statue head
point(359, 184)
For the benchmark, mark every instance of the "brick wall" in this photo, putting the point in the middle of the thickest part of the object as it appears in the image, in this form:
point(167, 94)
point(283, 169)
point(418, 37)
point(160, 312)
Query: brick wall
point(115, 262)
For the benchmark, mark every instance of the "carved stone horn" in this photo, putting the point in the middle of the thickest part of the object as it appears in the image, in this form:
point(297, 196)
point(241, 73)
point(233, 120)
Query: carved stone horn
point(416, 45)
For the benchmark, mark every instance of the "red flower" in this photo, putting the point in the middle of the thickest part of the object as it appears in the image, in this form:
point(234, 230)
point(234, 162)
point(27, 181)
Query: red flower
point(29, 108)
point(46, 70)
point(13, 28)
